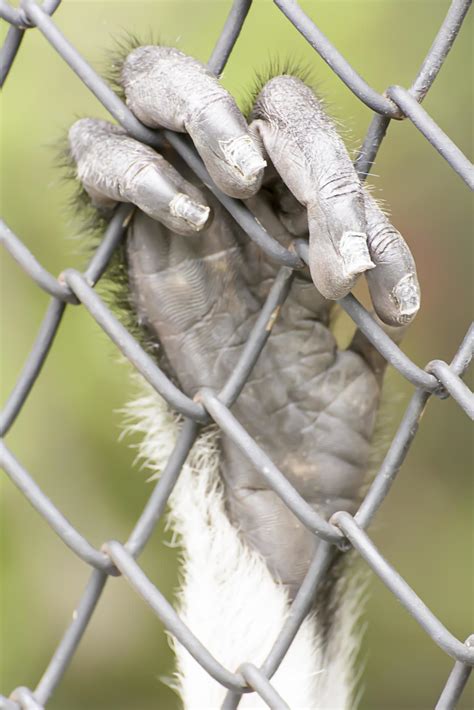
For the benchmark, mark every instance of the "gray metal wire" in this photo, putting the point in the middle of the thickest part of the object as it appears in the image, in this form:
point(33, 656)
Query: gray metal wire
point(74, 288)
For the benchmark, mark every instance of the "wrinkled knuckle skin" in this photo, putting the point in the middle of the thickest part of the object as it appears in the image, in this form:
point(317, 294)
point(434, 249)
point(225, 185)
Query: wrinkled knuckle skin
point(384, 243)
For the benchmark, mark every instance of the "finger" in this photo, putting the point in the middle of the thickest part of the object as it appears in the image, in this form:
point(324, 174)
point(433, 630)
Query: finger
point(310, 157)
point(116, 168)
point(164, 87)
point(393, 284)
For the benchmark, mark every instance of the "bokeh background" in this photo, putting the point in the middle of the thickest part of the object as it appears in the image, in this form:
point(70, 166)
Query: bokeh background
point(67, 435)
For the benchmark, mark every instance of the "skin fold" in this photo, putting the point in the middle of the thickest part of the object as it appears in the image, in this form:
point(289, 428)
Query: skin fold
point(197, 283)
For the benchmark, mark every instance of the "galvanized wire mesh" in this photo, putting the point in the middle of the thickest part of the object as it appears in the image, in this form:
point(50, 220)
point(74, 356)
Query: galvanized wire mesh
point(343, 531)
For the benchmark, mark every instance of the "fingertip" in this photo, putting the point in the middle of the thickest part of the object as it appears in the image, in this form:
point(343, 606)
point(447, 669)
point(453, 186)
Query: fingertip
point(239, 169)
point(159, 190)
point(406, 296)
point(328, 277)
point(335, 273)
point(355, 254)
point(244, 158)
point(338, 240)
point(195, 215)
point(396, 306)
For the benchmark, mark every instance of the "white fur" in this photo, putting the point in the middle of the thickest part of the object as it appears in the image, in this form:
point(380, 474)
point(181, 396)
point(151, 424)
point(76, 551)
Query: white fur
point(228, 597)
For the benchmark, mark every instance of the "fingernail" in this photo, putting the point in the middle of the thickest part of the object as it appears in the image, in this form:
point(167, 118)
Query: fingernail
point(243, 155)
point(407, 295)
point(355, 254)
point(185, 208)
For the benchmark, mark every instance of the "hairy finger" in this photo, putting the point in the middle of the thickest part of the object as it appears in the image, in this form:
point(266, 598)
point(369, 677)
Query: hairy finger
point(311, 158)
point(116, 168)
point(166, 88)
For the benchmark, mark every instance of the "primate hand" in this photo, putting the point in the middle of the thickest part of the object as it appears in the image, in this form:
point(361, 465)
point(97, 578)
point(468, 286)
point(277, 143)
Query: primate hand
point(197, 283)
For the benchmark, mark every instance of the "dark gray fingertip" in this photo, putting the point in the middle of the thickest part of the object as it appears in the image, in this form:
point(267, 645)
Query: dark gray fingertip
point(393, 284)
point(166, 88)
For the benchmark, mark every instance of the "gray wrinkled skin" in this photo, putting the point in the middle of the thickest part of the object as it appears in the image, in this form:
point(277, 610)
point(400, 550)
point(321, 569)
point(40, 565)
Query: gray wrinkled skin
point(198, 283)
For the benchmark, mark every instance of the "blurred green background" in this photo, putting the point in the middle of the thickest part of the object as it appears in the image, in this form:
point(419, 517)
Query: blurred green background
point(67, 434)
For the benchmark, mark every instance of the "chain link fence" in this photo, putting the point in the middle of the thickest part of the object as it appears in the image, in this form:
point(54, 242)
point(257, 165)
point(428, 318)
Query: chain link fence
point(343, 531)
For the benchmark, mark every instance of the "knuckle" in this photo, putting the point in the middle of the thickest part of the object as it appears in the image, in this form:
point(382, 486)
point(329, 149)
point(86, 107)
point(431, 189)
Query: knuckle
point(384, 242)
point(342, 183)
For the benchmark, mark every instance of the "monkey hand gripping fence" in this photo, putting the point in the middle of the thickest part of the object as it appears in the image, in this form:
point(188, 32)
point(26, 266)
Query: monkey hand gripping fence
point(342, 531)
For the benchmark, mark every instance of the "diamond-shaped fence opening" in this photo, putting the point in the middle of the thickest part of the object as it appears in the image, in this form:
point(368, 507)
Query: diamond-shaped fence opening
point(73, 288)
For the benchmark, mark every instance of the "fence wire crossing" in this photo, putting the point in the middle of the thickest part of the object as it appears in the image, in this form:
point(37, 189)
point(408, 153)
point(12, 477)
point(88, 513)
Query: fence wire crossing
point(343, 531)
